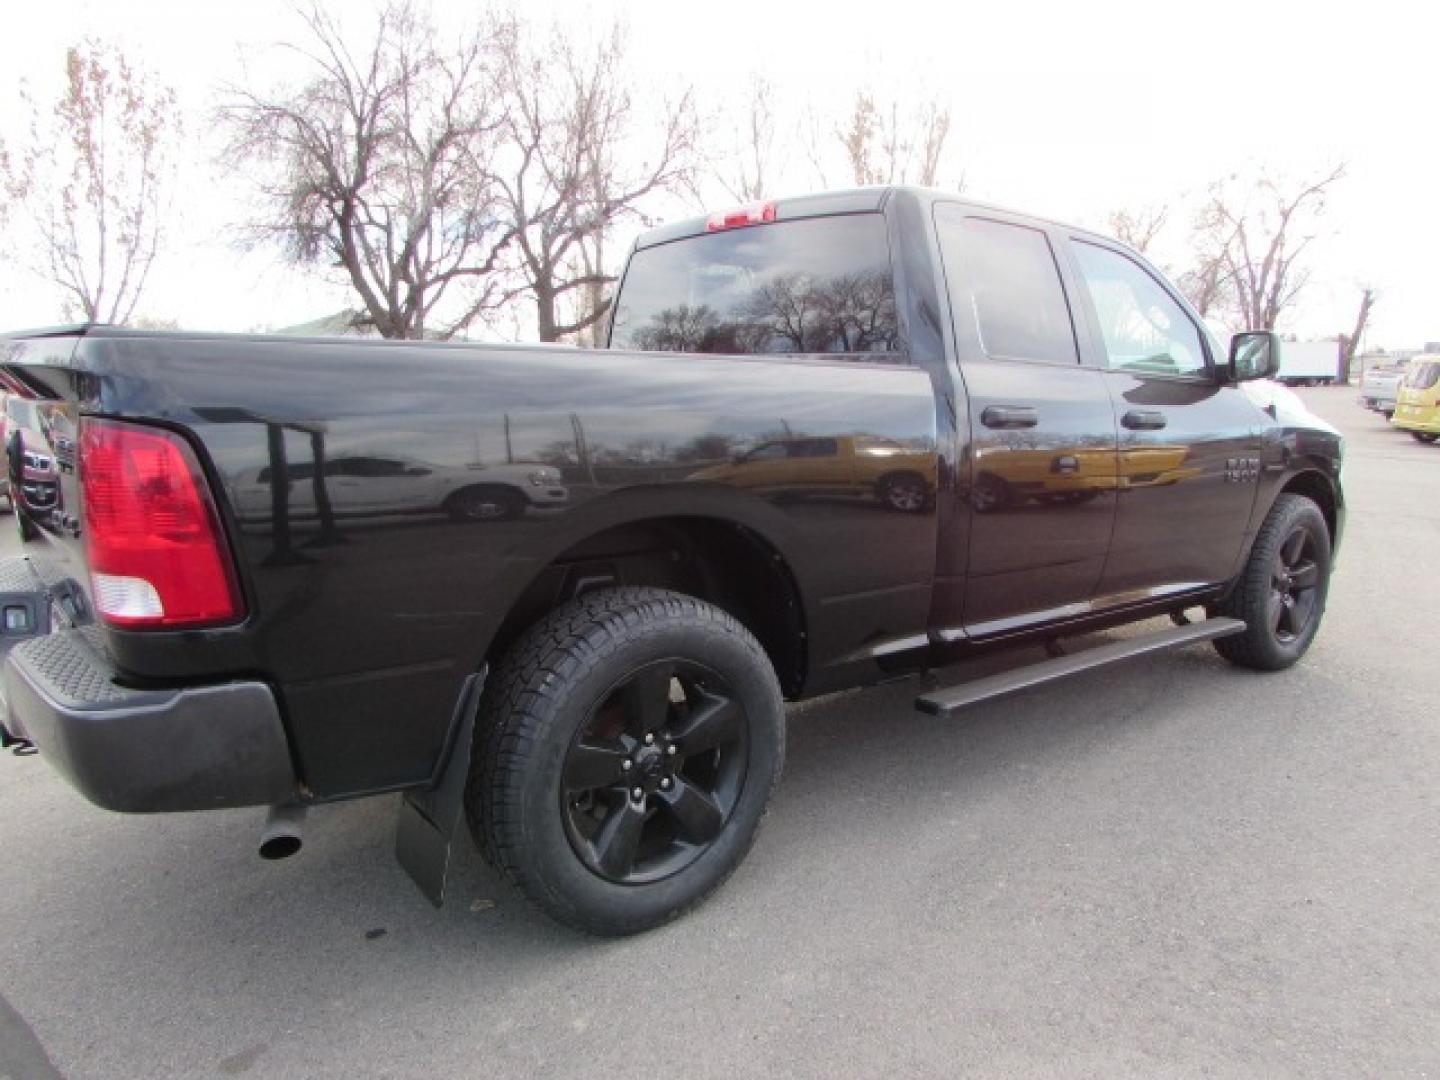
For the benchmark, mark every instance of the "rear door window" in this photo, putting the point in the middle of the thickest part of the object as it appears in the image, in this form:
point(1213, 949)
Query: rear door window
point(1004, 280)
point(816, 285)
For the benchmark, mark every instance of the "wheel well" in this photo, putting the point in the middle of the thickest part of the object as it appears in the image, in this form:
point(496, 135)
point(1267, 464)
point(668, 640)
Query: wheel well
point(1318, 490)
point(908, 474)
point(714, 560)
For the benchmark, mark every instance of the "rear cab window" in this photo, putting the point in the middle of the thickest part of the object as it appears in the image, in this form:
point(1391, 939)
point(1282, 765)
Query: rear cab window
point(819, 285)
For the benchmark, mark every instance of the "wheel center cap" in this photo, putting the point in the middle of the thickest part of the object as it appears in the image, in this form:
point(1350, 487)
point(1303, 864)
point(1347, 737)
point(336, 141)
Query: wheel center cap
point(650, 763)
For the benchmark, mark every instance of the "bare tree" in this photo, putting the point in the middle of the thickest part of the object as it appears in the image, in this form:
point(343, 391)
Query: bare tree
point(381, 165)
point(7, 195)
point(1350, 343)
point(1208, 284)
point(893, 144)
point(573, 133)
point(94, 182)
point(746, 171)
point(1139, 228)
point(1264, 231)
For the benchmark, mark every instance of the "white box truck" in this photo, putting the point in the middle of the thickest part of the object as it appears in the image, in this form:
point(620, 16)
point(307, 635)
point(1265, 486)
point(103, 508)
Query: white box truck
point(1309, 363)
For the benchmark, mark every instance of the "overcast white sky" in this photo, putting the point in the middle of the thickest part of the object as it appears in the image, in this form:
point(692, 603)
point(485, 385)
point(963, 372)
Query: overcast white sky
point(1069, 110)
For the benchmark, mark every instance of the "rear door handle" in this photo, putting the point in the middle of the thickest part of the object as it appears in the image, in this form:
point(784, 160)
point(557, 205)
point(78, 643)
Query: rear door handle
point(1143, 420)
point(1010, 416)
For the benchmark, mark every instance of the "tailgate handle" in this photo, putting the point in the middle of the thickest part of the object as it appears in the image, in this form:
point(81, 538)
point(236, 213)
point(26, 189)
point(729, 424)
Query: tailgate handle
point(1143, 420)
point(1010, 416)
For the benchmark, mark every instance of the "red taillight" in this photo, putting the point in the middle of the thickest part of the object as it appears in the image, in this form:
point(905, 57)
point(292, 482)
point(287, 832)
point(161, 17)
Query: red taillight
point(755, 214)
point(157, 555)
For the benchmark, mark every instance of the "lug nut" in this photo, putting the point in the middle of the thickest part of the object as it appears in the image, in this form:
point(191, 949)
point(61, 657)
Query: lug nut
point(626, 765)
point(649, 737)
point(665, 784)
point(672, 749)
point(638, 793)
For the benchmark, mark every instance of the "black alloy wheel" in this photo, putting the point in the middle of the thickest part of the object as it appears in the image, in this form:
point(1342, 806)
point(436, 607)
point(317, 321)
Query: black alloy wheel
point(654, 774)
point(1295, 586)
point(1280, 592)
point(626, 749)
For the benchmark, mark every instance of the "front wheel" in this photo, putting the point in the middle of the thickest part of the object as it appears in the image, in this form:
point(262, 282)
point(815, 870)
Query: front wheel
point(1280, 594)
point(634, 737)
point(1425, 436)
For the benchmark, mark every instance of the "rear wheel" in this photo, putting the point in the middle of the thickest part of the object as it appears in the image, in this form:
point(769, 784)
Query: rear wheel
point(904, 492)
point(1425, 436)
point(1280, 594)
point(485, 504)
point(634, 739)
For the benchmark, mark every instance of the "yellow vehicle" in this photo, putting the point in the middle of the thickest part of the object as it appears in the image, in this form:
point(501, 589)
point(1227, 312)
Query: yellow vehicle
point(1417, 407)
point(1009, 477)
point(869, 466)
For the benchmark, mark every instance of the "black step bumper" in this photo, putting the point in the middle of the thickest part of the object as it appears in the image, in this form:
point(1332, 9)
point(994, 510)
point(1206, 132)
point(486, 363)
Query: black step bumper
point(140, 751)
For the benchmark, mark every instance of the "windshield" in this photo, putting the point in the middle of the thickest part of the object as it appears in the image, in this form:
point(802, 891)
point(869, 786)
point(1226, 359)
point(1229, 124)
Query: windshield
point(820, 285)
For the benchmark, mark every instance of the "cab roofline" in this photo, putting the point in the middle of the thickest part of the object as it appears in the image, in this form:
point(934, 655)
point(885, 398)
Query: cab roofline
point(862, 200)
point(64, 330)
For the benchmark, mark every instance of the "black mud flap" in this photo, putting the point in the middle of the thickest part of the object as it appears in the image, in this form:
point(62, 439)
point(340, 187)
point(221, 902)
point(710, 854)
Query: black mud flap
point(431, 817)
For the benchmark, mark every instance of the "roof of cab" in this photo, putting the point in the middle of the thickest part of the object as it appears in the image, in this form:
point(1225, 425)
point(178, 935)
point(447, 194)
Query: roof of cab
point(860, 200)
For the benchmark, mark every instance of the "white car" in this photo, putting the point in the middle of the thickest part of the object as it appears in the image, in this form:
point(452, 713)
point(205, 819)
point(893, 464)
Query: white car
point(377, 484)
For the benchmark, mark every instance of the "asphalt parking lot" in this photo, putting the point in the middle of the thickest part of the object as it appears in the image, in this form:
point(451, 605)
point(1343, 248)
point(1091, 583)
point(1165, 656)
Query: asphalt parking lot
point(1171, 868)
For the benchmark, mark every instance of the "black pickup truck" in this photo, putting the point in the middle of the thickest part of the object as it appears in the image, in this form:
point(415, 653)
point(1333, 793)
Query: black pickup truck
point(561, 594)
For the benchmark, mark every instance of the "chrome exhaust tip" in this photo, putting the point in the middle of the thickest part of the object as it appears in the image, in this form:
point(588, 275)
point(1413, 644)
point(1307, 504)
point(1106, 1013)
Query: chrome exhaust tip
point(280, 838)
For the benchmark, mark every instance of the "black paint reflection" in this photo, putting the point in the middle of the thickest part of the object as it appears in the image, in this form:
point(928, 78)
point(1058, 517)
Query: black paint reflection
point(1054, 476)
point(867, 467)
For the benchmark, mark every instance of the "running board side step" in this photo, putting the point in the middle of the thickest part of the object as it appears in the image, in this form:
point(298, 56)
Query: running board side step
point(945, 701)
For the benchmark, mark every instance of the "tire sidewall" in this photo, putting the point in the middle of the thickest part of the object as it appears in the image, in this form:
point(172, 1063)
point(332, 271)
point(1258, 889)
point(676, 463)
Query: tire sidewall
point(1276, 653)
point(551, 860)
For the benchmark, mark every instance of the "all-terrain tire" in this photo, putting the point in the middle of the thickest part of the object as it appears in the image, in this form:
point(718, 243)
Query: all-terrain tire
point(1259, 594)
point(538, 702)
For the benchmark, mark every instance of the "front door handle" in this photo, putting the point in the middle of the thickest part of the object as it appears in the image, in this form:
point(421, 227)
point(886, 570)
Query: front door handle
point(1143, 420)
point(1010, 416)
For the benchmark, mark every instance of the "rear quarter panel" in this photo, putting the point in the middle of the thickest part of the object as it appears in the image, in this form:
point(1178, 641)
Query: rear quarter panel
point(369, 622)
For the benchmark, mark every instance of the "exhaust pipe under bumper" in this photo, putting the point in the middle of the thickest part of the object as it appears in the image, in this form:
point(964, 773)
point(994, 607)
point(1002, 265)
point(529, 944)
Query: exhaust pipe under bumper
point(280, 838)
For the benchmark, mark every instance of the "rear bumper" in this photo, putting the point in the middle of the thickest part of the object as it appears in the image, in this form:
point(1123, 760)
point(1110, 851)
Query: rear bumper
point(143, 751)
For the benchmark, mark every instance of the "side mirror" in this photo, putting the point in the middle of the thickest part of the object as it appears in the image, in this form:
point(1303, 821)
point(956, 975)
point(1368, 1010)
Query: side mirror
point(1255, 354)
